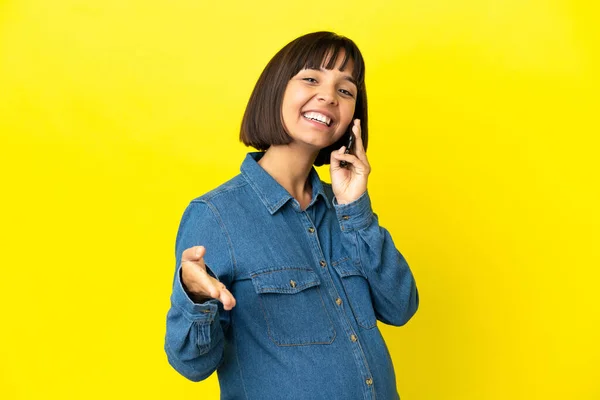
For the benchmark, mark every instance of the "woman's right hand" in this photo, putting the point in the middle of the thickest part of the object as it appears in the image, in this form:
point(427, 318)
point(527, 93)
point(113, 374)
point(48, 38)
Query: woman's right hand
point(198, 283)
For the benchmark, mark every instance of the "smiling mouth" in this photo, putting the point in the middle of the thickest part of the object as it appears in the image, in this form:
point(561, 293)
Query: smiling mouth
point(317, 117)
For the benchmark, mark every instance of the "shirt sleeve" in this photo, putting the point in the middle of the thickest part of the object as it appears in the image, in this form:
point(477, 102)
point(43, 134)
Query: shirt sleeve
point(194, 338)
point(393, 288)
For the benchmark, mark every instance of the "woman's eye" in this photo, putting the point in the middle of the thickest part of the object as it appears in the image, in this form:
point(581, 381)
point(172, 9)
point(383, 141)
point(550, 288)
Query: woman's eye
point(311, 80)
point(346, 92)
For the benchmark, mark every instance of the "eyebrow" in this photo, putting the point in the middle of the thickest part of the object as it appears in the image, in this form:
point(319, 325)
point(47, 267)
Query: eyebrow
point(348, 78)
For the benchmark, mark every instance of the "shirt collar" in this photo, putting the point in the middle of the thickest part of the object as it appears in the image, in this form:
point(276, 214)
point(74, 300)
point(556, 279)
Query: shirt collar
point(269, 191)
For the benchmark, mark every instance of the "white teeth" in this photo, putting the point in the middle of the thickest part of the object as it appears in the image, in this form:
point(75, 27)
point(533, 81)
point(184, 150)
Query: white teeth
point(318, 117)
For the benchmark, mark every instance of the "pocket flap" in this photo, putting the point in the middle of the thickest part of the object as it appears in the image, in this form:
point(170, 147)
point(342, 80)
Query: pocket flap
point(345, 267)
point(286, 280)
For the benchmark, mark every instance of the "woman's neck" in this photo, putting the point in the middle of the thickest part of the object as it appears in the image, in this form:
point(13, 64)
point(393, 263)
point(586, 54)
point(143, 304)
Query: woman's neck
point(290, 167)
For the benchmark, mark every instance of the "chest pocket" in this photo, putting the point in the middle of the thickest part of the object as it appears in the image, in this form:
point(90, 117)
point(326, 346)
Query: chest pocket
point(293, 306)
point(358, 292)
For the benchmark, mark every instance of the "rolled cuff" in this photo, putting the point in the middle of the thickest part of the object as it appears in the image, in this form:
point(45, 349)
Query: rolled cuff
point(355, 215)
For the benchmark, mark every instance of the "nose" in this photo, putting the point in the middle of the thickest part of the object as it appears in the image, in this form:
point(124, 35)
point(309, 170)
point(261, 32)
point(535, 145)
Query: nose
point(328, 94)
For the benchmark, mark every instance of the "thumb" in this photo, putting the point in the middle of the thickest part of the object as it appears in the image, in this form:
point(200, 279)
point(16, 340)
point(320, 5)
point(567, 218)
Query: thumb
point(193, 253)
point(333, 160)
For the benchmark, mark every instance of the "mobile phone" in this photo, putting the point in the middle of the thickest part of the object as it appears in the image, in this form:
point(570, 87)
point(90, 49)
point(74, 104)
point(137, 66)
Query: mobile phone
point(345, 164)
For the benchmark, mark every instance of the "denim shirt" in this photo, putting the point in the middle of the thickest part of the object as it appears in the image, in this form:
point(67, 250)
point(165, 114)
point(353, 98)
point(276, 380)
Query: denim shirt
point(310, 286)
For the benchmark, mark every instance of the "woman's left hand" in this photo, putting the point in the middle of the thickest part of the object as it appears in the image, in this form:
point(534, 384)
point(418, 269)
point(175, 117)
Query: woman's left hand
point(350, 183)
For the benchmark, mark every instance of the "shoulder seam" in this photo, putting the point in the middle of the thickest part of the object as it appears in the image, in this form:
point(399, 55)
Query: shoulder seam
point(217, 192)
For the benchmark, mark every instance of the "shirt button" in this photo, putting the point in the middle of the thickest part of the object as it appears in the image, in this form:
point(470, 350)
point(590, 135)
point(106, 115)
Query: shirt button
point(338, 301)
point(323, 263)
point(345, 217)
point(353, 337)
point(292, 283)
point(311, 229)
point(369, 381)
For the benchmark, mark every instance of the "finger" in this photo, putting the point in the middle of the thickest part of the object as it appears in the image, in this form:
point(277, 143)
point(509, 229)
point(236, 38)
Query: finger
point(333, 162)
point(358, 166)
point(193, 253)
point(359, 148)
point(206, 285)
point(349, 158)
point(227, 299)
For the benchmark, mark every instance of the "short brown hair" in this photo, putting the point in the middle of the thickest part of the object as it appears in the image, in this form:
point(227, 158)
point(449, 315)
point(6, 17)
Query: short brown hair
point(262, 125)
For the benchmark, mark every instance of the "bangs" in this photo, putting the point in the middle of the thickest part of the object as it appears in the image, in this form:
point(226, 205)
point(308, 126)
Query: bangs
point(324, 53)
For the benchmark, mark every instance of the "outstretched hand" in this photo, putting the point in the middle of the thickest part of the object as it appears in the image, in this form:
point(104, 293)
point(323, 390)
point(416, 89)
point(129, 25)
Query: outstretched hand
point(198, 283)
point(349, 183)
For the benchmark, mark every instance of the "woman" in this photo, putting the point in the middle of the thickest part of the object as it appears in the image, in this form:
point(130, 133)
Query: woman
point(281, 277)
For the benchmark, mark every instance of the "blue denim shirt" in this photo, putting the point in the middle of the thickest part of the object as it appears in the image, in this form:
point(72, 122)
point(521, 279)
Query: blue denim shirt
point(310, 286)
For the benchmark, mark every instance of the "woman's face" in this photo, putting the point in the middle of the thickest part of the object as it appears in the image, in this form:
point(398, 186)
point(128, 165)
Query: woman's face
point(318, 105)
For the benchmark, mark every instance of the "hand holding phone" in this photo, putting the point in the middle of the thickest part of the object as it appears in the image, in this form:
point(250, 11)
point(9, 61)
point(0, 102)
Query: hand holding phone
point(349, 179)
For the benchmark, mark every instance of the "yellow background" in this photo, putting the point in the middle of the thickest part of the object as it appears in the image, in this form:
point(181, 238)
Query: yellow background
point(484, 139)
